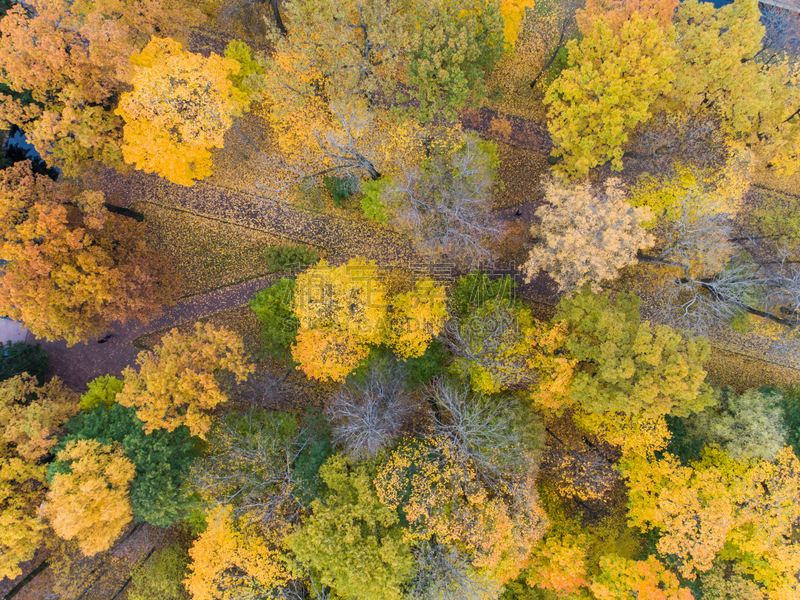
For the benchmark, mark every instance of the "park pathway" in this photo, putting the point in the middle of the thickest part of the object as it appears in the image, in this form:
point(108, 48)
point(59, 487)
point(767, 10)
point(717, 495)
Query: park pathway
point(79, 364)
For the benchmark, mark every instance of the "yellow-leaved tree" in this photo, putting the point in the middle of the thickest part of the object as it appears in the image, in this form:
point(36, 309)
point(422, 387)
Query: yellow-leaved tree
point(231, 558)
point(30, 414)
point(742, 509)
point(724, 70)
point(181, 105)
point(346, 309)
point(89, 496)
point(177, 382)
point(611, 80)
point(21, 531)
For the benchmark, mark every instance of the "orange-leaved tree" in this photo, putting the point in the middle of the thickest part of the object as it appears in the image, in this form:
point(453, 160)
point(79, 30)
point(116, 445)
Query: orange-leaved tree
point(181, 105)
point(70, 59)
point(746, 507)
point(89, 496)
point(71, 267)
point(177, 382)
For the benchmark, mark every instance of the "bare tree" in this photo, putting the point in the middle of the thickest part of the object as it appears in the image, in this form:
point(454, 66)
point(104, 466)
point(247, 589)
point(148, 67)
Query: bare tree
point(445, 205)
point(444, 573)
point(369, 416)
point(251, 465)
point(482, 433)
point(782, 30)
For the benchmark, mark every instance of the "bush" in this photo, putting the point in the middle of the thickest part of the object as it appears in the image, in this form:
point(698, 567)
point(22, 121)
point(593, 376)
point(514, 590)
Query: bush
point(288, 256)
point(19, 357)
point(162, 577)
point(273, 307)
point(476, 288)
point(371, 202)
point(340, 188)
point(102, 390)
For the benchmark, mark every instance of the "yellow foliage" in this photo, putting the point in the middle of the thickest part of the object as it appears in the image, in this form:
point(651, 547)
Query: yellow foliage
point(417, 316)
point(714, 192)
point(721, 69)
point(607, 89)
point(233, 557)
point(632, 433)
point(21, 531)
point(513, 13)
point(440, 497)
point(181, 105)
point(91, 502)
point(30, 414)
point(343, 310)
point(176, 383)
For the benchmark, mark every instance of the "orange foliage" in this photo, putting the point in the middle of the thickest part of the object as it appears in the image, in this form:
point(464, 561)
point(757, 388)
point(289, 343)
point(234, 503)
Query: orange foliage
point(616, 12)
point(559, 564)
point(72, 57)
point(622, 578)
point(73, 267)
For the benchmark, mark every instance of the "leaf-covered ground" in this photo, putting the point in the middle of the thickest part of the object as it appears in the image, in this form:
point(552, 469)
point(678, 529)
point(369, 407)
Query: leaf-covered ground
point(208, 254)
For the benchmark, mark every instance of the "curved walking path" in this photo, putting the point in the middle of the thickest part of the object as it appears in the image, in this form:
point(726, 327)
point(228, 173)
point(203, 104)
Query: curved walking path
point(79, 364)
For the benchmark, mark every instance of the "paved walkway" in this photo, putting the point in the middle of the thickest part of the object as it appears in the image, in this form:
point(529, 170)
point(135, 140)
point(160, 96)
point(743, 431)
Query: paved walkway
point(83, 362)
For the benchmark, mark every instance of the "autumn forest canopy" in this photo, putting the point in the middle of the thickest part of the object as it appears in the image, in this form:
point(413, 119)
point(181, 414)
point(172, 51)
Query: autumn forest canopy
point(400, 300)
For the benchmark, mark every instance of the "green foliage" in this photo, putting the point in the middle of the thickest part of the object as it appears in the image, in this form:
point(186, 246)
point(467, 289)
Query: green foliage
point(453, 48)
point(371, 202)
point(19, 357)
point(351, 539)
point(628, 365)
point(248, 79)
point(316, 441)
point(159, 493)
point(560, 62)
point(682, 443)
point(745, 426)
point(289, 256)
point(340, 188)
point(273, 307)
point(492, 152)
point(102, 390)
point(475, 288)
point(161, 578)
point(420, 370)
point(790, 403)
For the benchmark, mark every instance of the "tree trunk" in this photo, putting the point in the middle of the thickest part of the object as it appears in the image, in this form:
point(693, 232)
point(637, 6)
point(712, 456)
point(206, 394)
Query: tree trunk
point(277, 14)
